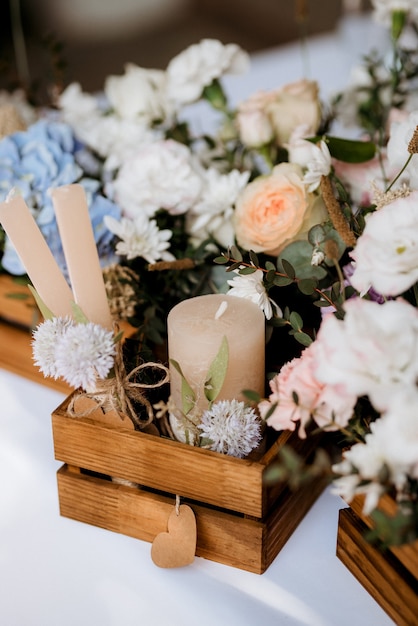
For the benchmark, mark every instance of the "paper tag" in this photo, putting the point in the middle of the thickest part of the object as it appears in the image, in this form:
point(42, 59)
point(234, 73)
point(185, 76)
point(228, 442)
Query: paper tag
point(177, 547)
point(88, 407)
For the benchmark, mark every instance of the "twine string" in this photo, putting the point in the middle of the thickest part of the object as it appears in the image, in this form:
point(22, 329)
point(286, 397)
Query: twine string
point(120, 393)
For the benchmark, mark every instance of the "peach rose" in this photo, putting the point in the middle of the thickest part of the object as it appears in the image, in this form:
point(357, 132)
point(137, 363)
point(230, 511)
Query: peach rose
point(295, 104)
point(275, 210)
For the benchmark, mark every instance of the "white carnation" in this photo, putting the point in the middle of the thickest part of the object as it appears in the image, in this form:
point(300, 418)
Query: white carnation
point(383, 9)
point(386, 254)
point(160, 175)
point(373, 351)
point(199, 65)
point(401, 133)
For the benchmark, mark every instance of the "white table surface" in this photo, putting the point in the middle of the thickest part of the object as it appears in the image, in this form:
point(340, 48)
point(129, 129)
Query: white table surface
point(58, 572)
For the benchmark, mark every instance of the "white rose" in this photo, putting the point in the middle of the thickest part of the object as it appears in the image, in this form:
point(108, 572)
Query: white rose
point(253, 122)
point(137, 93)
point(386, 254)
point(161, 175)
point(199, 65)
point(294, 105)
point(373, 351)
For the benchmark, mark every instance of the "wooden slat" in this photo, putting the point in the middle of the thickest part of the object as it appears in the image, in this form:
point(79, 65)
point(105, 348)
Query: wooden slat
point(224, 537)
point(380, 573)
point(407, 554)
point(160, 463)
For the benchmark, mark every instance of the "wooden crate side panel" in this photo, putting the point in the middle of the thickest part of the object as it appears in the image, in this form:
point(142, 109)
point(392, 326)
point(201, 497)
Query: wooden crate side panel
point(221, 537)
point(407, 554)
point(162, 464)
point(387, 581)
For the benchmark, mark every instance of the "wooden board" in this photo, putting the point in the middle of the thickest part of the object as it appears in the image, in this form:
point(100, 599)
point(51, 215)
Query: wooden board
point(222, 536)
point(381, 573)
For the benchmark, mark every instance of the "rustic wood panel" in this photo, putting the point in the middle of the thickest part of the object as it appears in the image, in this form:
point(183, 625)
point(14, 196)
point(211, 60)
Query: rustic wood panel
point(407, 554)
point(386, 579)
point(222, 536)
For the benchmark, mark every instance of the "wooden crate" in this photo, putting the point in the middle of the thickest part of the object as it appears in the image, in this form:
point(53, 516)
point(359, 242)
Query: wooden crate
point(241, 521)
point(390, 576)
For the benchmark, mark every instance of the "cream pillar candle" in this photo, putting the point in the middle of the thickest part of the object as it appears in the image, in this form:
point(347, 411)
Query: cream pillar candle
point(80, 251)
point(196, 328)
point(36, 257)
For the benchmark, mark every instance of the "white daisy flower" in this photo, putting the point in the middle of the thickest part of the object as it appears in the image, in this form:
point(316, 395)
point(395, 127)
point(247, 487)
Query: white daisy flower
point(251, 287)
point(140, 237)
point(231, 427)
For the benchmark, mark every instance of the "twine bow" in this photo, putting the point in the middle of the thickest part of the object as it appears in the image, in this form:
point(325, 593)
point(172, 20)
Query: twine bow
point(119, 393)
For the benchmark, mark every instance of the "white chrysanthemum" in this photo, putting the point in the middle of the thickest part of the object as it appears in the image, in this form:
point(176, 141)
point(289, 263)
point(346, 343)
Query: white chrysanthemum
point(140, 237)
point(199, 65)
point(85, 352)
point(212, 214)
point(45, 340)
point(231, 427)
point(251, 287)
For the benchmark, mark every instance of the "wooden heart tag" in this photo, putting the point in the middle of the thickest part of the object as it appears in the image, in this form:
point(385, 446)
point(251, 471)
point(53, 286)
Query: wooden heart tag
point(177, 547)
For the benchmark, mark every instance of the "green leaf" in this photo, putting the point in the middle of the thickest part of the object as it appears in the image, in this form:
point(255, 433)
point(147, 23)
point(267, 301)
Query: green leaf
point(307, 286)
point(220, 260)
point(282, 281)
point(236, 253)
point(270, 266)
point(316, 235)
point(188, 397)
point(46, 313)
point(303, 339)
point(254, 258)
point(299, 255)
point(217, 372)
point(251, 395)
point(295, 320)
point(247, 270)
point(288, 268)
point(78, 314)
point(349, 150)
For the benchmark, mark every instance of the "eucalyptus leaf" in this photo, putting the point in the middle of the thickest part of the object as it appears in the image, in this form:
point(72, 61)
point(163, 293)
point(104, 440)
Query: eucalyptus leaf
point(307, 286)
point(188, 397)
point(236, 253)
point(299, 255)
point(217, 372)
point(247, 270)
point(296, 320)
point(46, 313)
point(303, 339)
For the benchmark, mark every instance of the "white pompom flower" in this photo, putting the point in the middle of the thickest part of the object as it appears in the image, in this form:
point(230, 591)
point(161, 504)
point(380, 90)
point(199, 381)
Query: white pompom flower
point(45, 340)
point(84, 353)
point(231, 427)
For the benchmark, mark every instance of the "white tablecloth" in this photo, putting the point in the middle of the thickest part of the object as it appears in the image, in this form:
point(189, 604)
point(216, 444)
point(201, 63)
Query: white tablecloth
point(58, 572)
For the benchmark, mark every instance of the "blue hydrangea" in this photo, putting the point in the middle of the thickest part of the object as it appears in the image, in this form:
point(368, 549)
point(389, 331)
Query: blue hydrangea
point(47, 155)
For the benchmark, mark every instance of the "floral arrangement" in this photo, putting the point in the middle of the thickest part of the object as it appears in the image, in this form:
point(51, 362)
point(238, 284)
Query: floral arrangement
point(316, 229)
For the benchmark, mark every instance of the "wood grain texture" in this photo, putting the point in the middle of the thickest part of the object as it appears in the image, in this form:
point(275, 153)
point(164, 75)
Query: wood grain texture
point(381, 573)
point(407, 554)
point(222, 536)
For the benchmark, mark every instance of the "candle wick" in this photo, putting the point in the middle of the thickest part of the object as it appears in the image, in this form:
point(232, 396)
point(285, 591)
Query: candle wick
point(221, 309)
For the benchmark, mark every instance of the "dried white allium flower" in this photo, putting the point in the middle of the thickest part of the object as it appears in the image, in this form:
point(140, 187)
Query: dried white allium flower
point(83, 353)
point(232, 428)
point(45, 340)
